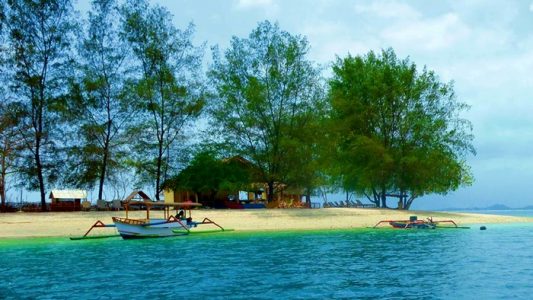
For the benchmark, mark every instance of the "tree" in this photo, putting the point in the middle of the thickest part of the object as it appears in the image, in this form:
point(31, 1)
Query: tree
point(10, 144)
point(267, 94)
point(40, 32)
point(396, 131)
point(169, 90)
point(208, 174)
point(100, 113)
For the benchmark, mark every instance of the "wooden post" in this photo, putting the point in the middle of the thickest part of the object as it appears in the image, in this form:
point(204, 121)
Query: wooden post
point(147, 212)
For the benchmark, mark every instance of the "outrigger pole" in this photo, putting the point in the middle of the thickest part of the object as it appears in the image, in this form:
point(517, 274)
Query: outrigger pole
point(413, 222)
point(97, 224)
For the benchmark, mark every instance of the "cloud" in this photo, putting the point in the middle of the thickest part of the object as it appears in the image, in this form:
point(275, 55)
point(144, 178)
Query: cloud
point(403, 26)
point(531, 7)
point(387, 9)
point(268, 9)
point(246, 4)
point(328, 39)
point(437, 33)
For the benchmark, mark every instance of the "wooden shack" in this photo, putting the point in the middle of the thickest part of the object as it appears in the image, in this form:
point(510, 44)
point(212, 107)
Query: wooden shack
point(137, 196)
point(67, 200)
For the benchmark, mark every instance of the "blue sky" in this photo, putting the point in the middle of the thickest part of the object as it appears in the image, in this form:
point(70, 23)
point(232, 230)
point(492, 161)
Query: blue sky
point(485, 47)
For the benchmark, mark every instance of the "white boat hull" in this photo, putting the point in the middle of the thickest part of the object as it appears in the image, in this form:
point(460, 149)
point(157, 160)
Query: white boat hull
point(131, 229)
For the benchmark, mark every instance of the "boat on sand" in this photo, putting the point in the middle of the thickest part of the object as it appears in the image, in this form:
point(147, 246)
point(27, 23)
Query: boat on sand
point(168, 226)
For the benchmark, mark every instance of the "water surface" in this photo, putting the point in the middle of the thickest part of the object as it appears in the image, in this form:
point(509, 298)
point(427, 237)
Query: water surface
point(365, 264)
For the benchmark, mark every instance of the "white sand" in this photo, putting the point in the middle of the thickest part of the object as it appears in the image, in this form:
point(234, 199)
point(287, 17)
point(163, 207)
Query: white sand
point(23, 225)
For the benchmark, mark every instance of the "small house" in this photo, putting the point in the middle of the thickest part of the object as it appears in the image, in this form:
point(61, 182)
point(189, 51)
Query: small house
point(137, 196)
point(67, 200)
point(236, 184)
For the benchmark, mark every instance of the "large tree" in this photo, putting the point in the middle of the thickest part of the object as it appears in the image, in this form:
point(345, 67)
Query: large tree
point(396, 130)
point(208, 174)
point(11, 132)
point(267, 95)
point(169, 88)
point(40, 35)
point(100, 113)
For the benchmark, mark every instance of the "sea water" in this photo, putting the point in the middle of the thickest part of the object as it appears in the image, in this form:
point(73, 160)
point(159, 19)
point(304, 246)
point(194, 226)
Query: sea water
point(496, 263)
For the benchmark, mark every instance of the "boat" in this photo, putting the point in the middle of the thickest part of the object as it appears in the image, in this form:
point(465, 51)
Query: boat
point(415, 223)
point(168, 226)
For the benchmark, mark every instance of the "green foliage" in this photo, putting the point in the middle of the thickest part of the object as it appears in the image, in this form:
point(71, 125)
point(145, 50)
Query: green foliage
point(169, 91)
point(396, 130)
point(268, 96)
point(40, 34)
point(98, 108)
point(133, 97)
point(11, 143)
point(208, 174)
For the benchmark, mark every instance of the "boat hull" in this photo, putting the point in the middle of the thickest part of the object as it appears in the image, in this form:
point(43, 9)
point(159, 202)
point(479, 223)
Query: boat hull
point(413, 225)
point(134, 229)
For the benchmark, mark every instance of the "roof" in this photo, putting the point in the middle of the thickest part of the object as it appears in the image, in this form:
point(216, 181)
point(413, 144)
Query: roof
point(133, 195)
point(241, 160)
point(161, 203)
point(68, 194)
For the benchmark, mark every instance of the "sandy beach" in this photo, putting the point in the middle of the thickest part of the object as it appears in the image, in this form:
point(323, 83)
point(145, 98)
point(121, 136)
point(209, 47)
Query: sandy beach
point(65, 224)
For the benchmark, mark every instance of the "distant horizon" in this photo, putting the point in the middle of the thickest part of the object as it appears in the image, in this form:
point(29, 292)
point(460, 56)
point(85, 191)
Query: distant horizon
point(331, 197)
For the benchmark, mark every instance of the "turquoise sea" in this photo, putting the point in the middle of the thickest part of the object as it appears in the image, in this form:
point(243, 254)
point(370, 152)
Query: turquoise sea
point(504, 212)
point(349, 264)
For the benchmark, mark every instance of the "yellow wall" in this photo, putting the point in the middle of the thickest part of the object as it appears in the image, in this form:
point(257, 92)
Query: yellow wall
point(168, 195)
point(171, 196)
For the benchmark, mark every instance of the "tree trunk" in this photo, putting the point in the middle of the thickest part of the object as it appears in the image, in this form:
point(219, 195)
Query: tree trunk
point(39, 167)
point(3, 184)
point(383, 198)
point(158, 171)
point(102, 173)
point(377, 198)
point(270, 197)
point(106, 154)
point(40, 177)
point(401, 201)
point(409, 202)
point(3, 192)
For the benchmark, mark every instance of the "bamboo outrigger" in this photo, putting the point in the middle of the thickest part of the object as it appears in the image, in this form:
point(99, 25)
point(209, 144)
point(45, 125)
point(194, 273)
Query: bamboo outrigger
point(414, 223)
point(169, 225)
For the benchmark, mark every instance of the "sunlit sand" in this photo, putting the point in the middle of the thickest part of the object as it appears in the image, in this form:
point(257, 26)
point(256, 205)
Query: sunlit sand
point(22, 225)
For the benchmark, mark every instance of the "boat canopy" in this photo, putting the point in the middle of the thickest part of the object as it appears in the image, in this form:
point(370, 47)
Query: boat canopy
point(166, 206)
point(161, 203)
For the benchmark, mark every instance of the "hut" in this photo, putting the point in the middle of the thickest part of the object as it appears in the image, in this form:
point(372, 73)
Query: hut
point(133, 197)
point(242, 187)
point(67, 200)
point(137, 196)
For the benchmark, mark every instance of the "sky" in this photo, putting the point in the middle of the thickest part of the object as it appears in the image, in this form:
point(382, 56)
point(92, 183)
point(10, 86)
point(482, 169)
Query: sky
point(484, 47)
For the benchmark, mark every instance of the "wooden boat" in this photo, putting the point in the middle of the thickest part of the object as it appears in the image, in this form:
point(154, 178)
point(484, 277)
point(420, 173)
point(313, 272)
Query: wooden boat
point(414, 223)
point(148, 227)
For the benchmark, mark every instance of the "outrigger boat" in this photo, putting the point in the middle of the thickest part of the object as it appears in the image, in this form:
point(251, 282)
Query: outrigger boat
point(414, 223)
point(168, 226)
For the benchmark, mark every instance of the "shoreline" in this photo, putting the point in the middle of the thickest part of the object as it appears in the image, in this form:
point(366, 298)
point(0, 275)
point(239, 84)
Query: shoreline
point(22, 225)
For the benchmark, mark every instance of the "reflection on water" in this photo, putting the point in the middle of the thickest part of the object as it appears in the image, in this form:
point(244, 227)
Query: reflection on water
point(368, 264)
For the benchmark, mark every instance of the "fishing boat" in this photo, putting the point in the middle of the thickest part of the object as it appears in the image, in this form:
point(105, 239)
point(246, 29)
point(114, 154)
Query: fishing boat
point(168, 226)
point(415, 223)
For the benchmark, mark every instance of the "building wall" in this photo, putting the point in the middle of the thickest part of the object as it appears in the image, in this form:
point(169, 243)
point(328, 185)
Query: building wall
point(171, 196)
